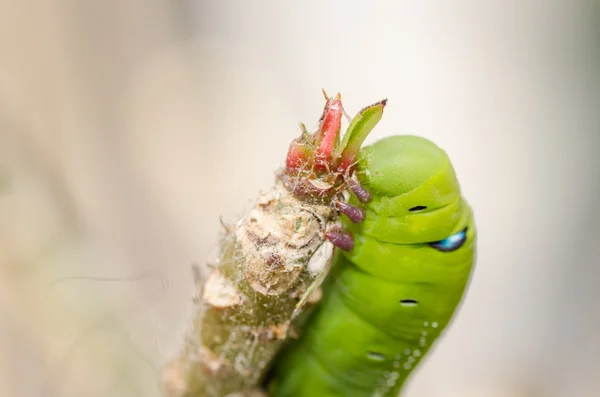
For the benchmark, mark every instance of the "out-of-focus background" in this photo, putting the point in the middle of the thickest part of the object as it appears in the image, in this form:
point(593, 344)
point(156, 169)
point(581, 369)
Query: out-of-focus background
point(128, 127)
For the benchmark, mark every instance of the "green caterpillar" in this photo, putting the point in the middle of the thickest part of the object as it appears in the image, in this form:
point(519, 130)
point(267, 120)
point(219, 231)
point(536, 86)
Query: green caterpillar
point(388, 299)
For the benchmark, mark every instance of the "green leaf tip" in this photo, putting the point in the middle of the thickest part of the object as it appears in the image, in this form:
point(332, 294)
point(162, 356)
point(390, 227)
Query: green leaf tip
point(360, 127)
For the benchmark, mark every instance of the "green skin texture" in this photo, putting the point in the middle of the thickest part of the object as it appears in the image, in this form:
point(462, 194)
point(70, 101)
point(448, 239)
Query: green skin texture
point(362, 341)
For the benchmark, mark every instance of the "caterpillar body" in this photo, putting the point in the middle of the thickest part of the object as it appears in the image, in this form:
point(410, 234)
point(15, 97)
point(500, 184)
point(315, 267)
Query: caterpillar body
point(388, 299)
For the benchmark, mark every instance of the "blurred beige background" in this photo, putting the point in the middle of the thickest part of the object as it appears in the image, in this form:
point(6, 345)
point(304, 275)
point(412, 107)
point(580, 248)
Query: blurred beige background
point(128, 127)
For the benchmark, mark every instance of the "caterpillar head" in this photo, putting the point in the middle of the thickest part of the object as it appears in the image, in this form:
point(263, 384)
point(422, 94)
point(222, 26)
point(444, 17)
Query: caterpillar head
point(416, 195)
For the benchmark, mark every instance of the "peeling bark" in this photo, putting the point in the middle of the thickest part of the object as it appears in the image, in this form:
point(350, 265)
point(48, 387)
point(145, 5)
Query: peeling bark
point(269, 269)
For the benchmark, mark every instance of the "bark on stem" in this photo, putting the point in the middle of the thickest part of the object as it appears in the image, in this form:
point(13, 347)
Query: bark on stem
point(273, 259)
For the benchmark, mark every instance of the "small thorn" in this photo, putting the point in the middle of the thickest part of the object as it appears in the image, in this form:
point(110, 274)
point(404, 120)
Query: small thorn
point(303, 129)
point(353, 213)
point(360, 192)
point(224, 225)
point(340, 239)
point(196, 273)
point(325, 94)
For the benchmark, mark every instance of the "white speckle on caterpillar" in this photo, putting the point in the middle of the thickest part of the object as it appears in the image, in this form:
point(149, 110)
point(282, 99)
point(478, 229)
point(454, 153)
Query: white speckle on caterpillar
point(396, 364)
point(386, 382)
point(392, 379)
point(422, 341)
point(407, 366)
point(407, 351)
point(426, 324)
point(434, 324)
point(411, 360)
point(416, 352)
point(424, 333)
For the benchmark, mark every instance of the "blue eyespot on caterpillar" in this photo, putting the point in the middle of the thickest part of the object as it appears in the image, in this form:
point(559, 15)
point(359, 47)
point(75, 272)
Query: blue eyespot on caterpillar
point(451, 243)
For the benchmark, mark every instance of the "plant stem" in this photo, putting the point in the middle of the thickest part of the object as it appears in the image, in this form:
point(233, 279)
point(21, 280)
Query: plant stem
point(269, 263)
